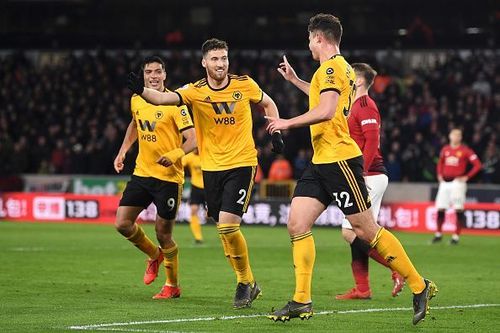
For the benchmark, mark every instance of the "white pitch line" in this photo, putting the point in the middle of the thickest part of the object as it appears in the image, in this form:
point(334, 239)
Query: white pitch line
point(184, 320)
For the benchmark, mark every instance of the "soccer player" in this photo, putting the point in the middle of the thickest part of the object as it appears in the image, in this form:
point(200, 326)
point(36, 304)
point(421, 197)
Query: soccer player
point(158, 176)
point(364, 128)
point(453, 176)
point(197, 198)
point(335, 174)
point(220, 103)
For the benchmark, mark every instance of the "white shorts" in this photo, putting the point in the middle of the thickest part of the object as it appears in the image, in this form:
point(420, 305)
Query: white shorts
point(451, 194)
point(376, 186)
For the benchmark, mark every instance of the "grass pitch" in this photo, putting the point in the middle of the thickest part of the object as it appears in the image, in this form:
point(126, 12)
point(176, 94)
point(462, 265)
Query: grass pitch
point(76, 278)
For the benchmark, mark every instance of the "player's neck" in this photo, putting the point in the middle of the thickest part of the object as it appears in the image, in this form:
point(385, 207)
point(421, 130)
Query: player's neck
point(328, 52)
point(360, 92)
point(455, 145)
point(215, 84)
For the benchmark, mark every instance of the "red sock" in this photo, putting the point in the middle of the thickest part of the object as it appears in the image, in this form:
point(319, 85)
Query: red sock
point(360, 274)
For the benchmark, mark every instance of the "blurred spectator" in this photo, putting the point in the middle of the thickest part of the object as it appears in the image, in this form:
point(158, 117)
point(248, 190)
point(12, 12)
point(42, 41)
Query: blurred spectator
point(280, 169)
point(65, 112)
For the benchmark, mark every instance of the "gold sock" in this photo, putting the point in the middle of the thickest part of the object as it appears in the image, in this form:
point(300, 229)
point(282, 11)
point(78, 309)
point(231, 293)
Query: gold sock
point(304, 254)
point(235, 248)
point(393, 252)
point(171, 263)
point(195, 226)
point(143, 243)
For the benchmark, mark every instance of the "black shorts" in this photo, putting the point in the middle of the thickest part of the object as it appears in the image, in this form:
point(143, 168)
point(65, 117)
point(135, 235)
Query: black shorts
point(141, 191)
point(197, 196)
point(228, 190)
point(340, 182)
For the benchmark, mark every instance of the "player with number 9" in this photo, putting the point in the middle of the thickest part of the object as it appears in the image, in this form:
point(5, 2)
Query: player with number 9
point(158, 176)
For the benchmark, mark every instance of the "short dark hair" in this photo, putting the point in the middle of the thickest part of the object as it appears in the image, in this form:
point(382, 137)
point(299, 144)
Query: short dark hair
point(366, 71)
point(213, 44)
point(151, 59)
point(328, 24)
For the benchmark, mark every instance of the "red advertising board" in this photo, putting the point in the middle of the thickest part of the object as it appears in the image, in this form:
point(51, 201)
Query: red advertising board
point(481, 218)
point(48, 207)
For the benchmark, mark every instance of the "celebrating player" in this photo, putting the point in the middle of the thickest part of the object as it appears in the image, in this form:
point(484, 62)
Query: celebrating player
point(336, 174)
point(452, 176)
point(221, 110)
point(364, 128)
point(158, 176)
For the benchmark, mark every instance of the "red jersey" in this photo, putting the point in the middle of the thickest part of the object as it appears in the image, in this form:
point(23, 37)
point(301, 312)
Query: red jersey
point(364, 127)
point(453, 162)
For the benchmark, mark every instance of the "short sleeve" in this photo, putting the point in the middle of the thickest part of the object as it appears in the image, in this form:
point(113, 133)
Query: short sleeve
point(327, 78)
point(186, 94)
point(182, 118)
point(255, 94)
point(132, 107)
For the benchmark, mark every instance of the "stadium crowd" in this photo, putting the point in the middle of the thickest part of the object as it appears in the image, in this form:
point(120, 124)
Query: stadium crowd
point(66, 113)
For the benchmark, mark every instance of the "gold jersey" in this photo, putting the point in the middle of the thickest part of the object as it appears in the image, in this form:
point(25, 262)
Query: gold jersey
point(158, 132)
point(223, 121)
point(193, 163)
point(330, 139)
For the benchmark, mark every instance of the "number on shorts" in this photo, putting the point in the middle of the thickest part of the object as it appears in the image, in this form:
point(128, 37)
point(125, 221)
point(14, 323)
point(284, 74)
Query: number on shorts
point(171, 203)
point(243, 194)
point(342, 196)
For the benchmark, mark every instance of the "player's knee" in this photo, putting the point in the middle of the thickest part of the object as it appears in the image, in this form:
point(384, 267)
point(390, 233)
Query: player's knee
point(124, 226)
point(295, 227)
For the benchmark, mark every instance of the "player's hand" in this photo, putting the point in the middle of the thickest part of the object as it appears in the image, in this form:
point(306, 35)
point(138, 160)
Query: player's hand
point(118, 163)
point(276, 124)
point(287, 71)
point(462, 179)
point(165, 161)
point(135, 83)
point(278, 143)
point(440, 178)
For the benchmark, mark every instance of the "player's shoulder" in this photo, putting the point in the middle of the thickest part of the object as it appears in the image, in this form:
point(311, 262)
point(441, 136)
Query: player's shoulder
point(466, 148)
point(137, 100)
point(243, 82)
point(239, 77)
point(198, 84)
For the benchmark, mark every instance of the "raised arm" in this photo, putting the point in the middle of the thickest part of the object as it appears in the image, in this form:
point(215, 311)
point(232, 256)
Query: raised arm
point(152, 96)
point(128, 141)
point(287, 71)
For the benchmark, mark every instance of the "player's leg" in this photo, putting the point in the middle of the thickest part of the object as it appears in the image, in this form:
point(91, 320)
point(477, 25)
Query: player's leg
point(235, 192)
point(360, 250)
point(359, 265)
point(167, 201)
point(309, 201)
point(443, 198)
point(196, 200)
point(458, 201)
point(376, 185)
point(135, 198)
point(359, 214)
